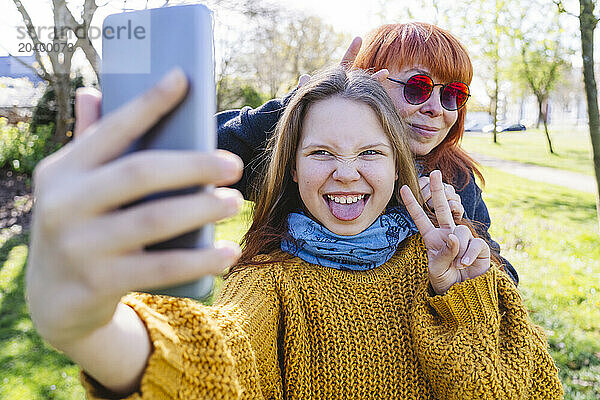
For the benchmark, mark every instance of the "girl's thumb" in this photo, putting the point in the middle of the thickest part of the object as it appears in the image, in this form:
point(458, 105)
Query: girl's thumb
point(87, 109)
point(451, 249)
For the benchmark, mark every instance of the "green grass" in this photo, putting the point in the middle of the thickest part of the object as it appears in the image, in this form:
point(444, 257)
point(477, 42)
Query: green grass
point(30, 368)
point(549, 234)
point(572, 147)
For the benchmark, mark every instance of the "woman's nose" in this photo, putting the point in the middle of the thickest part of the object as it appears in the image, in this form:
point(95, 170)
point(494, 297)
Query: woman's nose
point(433, 105)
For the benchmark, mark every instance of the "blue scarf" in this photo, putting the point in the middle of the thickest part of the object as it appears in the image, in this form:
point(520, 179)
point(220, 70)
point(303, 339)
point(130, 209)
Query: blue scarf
point(371, 248)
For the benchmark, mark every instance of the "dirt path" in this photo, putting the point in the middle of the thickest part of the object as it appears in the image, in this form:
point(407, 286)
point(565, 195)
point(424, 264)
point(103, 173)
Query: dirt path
point(568, 179)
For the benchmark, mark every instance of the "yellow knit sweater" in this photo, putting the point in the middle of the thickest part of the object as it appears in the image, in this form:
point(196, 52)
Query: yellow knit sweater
point(302, 331)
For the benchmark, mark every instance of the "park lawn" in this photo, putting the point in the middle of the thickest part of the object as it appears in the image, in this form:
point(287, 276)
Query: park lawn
point(30, 368)
point(572, 147)
point(548, 233)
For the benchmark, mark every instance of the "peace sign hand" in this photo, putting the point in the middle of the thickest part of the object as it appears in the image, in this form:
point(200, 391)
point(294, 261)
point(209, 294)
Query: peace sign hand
point(454, 254)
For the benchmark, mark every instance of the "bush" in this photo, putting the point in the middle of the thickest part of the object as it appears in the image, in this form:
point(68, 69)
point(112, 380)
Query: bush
point(45, 111)
point(236, 93)
point(21, 149)
point(249, 96)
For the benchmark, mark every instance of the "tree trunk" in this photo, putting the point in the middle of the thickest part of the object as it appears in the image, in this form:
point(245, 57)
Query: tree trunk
point(544, 117)
point(62, 89)
point(522, 109)
point(61, 56)
point(548, 136)
point(540, 117)
point(495, 107)
point(587, 24)
point(496, 72)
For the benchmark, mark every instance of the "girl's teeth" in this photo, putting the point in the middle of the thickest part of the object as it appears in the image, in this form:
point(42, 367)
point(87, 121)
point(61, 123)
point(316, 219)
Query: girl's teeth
point(346, 199)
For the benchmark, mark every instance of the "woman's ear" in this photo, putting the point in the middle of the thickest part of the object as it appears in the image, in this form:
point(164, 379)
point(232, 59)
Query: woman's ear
point(294, 175)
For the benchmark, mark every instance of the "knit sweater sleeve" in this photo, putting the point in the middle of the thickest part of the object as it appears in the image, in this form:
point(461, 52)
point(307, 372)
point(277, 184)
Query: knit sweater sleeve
point(226, 351)
point(477, 342)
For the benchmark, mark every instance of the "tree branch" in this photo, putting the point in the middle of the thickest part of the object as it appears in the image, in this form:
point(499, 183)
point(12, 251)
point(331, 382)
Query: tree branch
point(42, 75)
point(562, 9)
point(89, 8)
point(68, 20)
point(90, 53)
point(33, 35)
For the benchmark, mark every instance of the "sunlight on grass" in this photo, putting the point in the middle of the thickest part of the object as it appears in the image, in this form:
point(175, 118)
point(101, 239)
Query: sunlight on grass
point(550, 235)
point(234, 228)
point(11, 269)
point(30, 368)
point(573, 148)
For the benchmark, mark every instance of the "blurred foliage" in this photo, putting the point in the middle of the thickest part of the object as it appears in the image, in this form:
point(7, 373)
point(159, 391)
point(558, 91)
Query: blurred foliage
point(46, 109)
point(21, 148)
point(233, 94)
point(284, 46)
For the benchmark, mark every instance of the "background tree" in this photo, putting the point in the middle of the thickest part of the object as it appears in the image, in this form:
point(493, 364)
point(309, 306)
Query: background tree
point(542, 60)
point(588, 22)
point(487, 29)
point(541, 65)
point(587, 25)
point(60, 54)
point(492, 43)
point(279, 48)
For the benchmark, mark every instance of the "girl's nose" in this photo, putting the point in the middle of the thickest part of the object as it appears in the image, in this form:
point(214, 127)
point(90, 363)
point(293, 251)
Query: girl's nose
point(346, 171)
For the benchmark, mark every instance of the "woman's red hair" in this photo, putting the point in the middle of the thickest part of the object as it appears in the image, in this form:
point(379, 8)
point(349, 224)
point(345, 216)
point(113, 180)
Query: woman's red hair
point(395, 46)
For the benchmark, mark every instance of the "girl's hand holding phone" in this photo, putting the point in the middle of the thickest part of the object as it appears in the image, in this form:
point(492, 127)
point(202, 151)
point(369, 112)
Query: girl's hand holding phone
point(86, 252)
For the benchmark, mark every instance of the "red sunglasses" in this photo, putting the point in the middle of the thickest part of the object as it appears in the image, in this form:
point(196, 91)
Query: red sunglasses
point(418, 89)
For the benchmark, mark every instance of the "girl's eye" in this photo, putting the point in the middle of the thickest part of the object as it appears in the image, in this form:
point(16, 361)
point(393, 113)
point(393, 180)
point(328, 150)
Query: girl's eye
point(320, 153)
point(370, 153)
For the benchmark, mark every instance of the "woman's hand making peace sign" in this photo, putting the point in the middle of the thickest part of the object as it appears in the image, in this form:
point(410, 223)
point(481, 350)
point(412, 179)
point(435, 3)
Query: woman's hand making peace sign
point(454, 254)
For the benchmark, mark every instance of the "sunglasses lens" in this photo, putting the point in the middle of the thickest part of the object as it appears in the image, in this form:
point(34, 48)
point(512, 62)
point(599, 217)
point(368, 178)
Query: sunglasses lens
point(455, 95)
point(418, 89)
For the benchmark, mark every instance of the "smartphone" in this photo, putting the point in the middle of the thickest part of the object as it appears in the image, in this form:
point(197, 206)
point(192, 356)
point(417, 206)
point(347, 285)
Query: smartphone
point(138, 48)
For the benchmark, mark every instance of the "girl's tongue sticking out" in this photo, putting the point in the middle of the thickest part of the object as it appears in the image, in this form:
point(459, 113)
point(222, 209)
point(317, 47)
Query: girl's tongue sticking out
point(346, 208)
